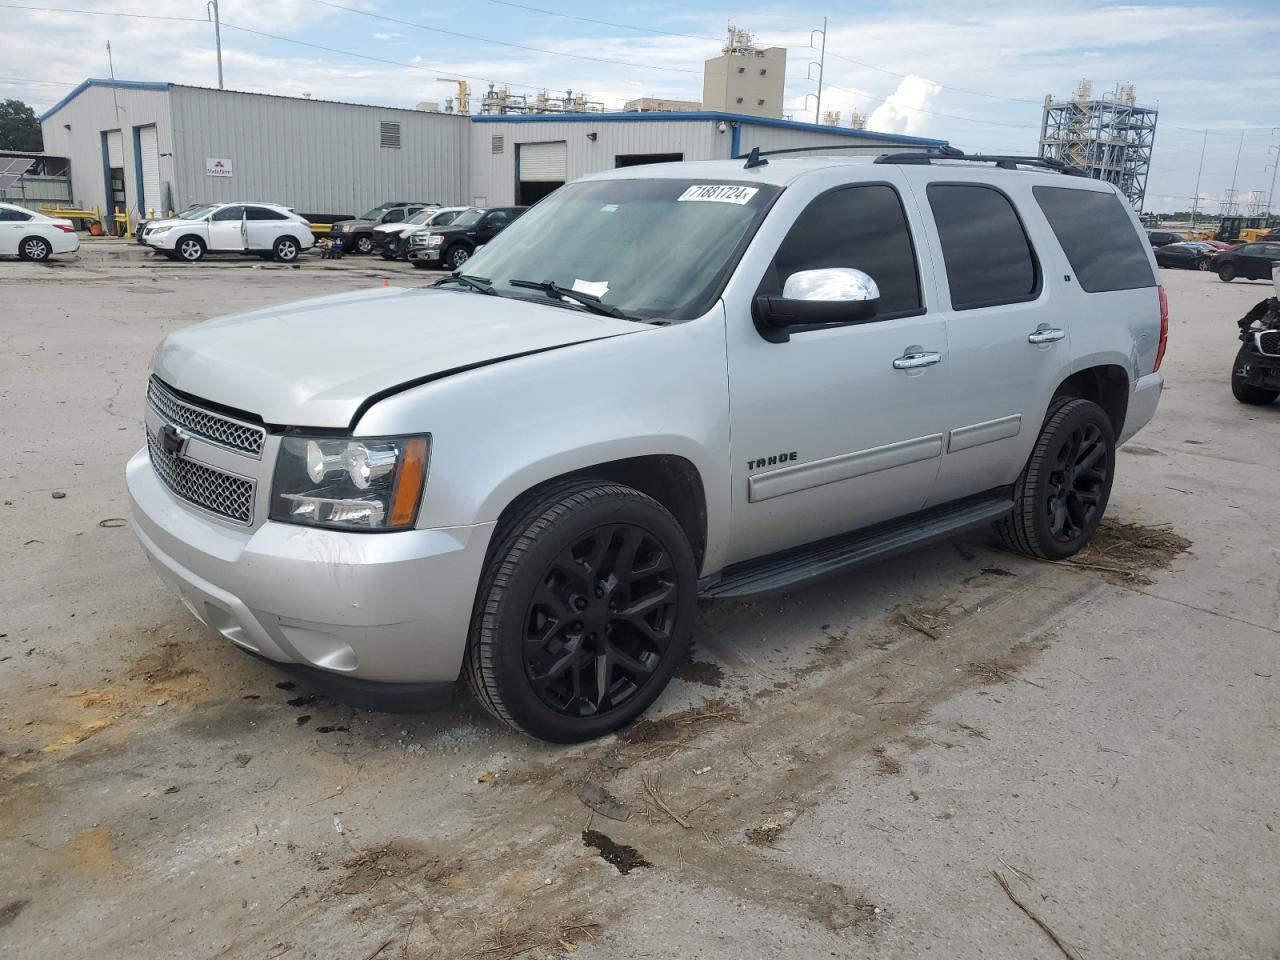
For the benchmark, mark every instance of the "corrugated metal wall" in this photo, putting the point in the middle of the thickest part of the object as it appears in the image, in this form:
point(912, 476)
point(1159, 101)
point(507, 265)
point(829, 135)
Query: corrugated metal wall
point(777, 138)
point(75, 131)
point(315, 156)
point(493, 175)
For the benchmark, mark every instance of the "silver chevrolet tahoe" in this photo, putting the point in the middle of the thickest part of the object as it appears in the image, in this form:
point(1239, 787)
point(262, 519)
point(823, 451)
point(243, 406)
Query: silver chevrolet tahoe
point(663, 383)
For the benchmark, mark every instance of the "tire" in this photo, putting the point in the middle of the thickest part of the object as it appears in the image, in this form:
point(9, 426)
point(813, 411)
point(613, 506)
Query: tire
point(1247, 392)
point(190, 248)
point(364, 244)
point(557, 566)
point(285, 249)
point(36, 249)
point(1055, 513)
point(456, 256)
point(1203, 265)
point(1227, 272)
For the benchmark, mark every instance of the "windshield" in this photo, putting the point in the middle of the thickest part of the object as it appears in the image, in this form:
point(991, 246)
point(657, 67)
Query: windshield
point(195, 213)
point(442, 218)
point(423, 216)
point(373, 214)
point(652, 248)
point(466, 218)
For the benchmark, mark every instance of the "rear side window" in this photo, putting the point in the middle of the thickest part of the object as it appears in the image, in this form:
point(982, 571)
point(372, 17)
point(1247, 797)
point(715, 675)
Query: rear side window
point(862, 227)
point(14, 215)
point(263, 213)
point(988, 256)
point(1096, 234)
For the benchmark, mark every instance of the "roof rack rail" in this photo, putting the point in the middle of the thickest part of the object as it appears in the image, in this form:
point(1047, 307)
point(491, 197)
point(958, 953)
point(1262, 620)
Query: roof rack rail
point(754, 158)
point(1003, 162)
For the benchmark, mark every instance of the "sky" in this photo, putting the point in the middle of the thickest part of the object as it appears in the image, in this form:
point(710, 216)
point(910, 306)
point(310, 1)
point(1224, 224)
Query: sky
point(975, 75)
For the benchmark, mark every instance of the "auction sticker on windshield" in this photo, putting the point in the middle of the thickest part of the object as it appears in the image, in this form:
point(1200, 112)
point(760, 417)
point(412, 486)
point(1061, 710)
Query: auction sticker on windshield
point(720, 193)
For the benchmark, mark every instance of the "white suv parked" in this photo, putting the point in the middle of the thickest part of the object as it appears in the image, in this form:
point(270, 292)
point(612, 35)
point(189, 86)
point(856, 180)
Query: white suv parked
point(265, 229)
point(668, 382)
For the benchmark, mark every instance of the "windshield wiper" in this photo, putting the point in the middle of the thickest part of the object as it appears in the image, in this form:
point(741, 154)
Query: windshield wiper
point(590, 301)
point(478, 284)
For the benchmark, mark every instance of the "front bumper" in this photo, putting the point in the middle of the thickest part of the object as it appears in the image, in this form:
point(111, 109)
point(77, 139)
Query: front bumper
point(388, 608)
point(425, 254)
point(1142, 405)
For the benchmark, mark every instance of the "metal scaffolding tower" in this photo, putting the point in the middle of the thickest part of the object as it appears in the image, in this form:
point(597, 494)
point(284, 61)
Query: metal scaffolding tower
point(1109, 137)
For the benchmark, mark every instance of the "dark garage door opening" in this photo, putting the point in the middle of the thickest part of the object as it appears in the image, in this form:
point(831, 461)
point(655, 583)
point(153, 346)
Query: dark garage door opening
point(640, 159)
point(540, 169)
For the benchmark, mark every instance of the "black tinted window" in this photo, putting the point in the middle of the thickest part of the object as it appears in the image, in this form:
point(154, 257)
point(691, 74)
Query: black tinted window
point(860, 227)
point(228, 213)
point(14, 215)
point(263, 213)
point(1098, 238)
point(987, 254)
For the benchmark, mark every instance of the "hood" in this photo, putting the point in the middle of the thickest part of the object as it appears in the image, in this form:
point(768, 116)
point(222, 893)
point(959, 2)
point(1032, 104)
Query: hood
point(354, 222)
point(168, 222)
point(315, 362)
point(394, 227)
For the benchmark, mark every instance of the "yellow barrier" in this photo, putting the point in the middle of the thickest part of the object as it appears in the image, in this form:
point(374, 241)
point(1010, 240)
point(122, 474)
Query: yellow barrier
point(71, 213)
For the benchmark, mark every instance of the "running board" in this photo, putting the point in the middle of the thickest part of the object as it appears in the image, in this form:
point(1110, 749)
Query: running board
point(782, 571)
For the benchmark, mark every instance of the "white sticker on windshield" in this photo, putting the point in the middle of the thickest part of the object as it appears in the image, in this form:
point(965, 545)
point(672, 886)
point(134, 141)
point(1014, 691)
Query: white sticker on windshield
point(609, 208)
point(595, 288)
point(720, 193)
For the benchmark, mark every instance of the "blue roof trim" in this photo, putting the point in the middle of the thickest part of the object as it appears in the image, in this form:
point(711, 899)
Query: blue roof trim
point(741, 119)
point(117, 84)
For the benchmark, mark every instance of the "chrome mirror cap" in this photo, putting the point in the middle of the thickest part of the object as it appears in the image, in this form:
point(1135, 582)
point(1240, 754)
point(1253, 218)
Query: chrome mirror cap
point(831, 284)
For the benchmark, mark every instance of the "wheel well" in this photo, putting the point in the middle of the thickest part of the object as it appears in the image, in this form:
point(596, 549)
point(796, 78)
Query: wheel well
point(1107, 386)
point(673, 481)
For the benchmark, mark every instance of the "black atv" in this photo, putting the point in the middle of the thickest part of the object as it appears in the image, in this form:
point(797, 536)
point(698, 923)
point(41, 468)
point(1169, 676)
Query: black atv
point(1255, 376)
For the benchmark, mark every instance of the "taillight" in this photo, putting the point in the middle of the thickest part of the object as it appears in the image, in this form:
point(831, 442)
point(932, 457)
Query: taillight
point(65, 229)
point(1164, 327)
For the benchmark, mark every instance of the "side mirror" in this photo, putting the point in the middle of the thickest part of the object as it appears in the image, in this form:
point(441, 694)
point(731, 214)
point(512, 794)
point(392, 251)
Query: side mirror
point(832, 296)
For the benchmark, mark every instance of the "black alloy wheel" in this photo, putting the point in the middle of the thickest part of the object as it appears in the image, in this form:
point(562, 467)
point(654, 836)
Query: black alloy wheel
point(601, 620)
point(1062, 492)
point(583, 610)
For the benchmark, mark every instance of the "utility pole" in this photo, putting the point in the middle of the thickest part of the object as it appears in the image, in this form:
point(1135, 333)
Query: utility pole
point(822, 68)
point(211, 11)
point(1195, 201)
point(1239, 150)
point(111, 66)
point(1271, 194)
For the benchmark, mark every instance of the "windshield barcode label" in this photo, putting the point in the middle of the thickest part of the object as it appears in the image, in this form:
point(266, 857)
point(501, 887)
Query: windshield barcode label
point(720, 193)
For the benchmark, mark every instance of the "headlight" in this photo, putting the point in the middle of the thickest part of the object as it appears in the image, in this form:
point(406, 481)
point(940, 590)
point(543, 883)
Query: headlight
point(433, 240)
point(156, 231)
point(367, 484)
point(338, 228)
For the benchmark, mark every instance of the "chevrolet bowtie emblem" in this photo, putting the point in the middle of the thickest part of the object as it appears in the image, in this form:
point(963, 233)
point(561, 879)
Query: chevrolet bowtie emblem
point(172, 440)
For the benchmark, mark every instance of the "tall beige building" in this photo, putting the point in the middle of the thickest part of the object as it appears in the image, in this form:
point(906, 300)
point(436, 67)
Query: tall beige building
point(745, 78)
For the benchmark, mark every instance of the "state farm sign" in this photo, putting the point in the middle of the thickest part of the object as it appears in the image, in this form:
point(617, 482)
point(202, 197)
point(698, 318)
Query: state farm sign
point(217, 167)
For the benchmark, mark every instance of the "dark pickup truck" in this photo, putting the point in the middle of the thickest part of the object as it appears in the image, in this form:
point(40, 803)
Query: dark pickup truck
point(356, 236)
point(449, 247)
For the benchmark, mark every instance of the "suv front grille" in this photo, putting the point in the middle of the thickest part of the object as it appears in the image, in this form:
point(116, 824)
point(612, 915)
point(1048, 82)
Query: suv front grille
point(218, 492)
point(1269, 343)
point(214, 427)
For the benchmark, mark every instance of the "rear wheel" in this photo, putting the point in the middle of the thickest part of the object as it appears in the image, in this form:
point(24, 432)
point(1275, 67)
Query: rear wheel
point(285, 249)
point(1227, 272)
point(583, 611)
point(35, 248)
point(1247, 392)
point(190, 249)
point(1059, 499)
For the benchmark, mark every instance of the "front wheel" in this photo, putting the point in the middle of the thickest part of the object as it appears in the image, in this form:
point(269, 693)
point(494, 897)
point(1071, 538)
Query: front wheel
point(457, 257)
point(190, 249)
point(285, 249)
point(1242, 390)
point(35, 248)
point(1059, 499)
point(364, 243)
point(583, 611)
point(1227, 272)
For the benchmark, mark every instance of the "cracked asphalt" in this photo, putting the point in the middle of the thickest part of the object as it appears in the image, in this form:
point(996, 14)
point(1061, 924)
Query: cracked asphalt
point(842, 771)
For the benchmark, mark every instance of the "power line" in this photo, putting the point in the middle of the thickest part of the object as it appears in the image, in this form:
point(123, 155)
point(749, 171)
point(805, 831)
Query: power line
point(500, 43)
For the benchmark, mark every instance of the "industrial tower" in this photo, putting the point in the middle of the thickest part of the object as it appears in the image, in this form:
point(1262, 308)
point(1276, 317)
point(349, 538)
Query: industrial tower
point(1109, 137)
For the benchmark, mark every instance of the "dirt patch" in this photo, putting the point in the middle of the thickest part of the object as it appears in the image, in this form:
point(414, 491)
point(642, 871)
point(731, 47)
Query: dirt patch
point(91, 852)
point(509, 940)
point(927, 623)
point(887, 765)
point(701, 671)
point(766, 834)
point(676, 729)
point(9, 912)
point(1124, 552)
point(623, 857)
point(394, 862)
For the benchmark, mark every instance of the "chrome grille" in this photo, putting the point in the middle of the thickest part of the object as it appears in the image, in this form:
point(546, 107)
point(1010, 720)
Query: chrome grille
point(1269, 343)
point(218, 492)
point(214, 427)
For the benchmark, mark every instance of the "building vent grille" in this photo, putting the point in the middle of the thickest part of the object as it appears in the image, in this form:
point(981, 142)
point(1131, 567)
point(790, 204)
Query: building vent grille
point(389, 134)
point(496, 144)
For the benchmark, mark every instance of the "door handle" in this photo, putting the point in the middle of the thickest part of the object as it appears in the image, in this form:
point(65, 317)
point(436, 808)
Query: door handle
point(912, 361)
point(1046, 334)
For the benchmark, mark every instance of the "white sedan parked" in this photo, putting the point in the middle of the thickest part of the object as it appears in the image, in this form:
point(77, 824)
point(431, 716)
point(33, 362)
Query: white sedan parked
point(264, 229)
point(33, 236)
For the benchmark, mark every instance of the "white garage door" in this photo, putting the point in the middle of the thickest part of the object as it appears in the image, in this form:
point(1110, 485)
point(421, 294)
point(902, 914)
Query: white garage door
point(544, 162)
point(149, 159)
point(115, 149)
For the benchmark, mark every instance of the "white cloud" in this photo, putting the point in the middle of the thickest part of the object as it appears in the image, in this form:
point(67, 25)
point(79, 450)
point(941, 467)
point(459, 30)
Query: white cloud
point(901, 112)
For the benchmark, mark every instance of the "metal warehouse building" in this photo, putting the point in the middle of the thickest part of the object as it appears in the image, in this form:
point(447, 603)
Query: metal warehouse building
point(139, 147)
